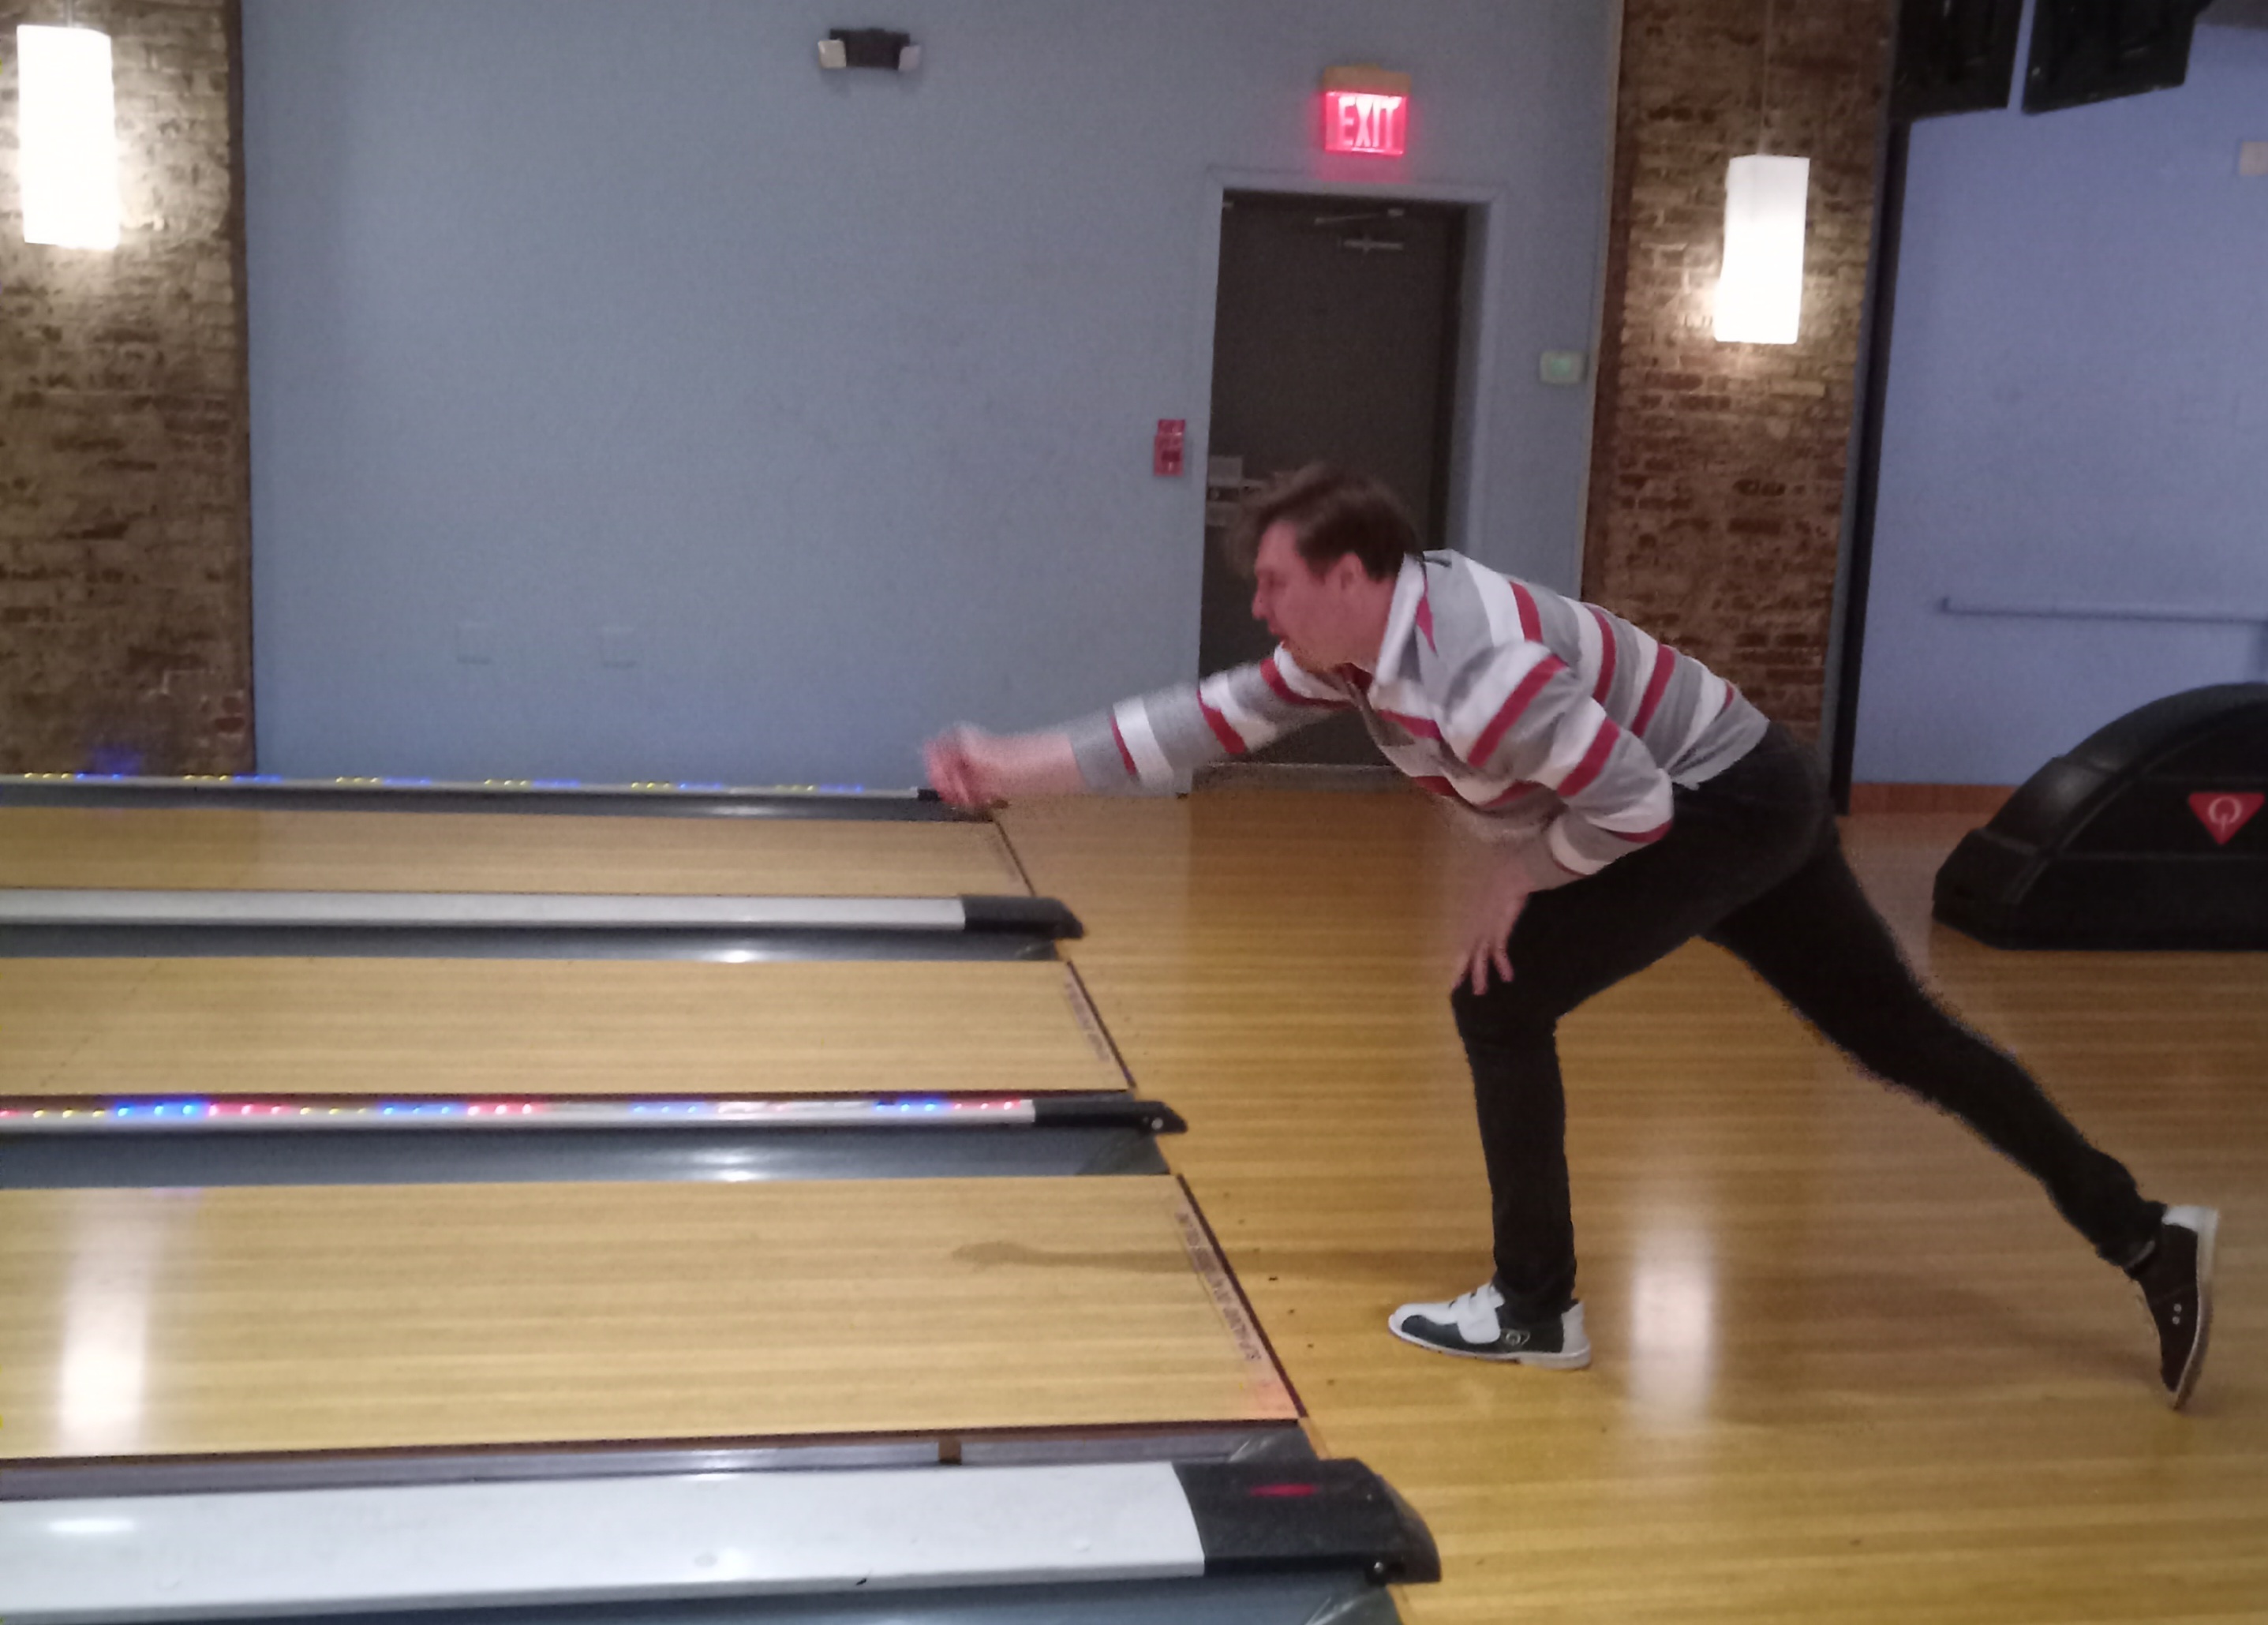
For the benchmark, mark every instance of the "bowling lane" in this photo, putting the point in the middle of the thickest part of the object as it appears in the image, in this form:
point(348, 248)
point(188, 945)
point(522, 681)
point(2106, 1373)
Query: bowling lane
point(110, 1027)
point(167, 1323)
point(234, 848)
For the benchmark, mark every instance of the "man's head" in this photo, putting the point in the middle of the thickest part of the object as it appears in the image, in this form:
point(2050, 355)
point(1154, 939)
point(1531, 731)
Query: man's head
point(1323, 549)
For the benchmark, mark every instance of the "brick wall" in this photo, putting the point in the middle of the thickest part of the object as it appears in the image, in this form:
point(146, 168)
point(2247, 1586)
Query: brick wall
point(1718, 470)
point(125, 560)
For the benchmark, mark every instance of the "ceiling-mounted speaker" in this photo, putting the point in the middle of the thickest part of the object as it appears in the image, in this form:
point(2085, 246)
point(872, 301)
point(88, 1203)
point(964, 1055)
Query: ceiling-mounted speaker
point(1954, 56)
point(2096, 50)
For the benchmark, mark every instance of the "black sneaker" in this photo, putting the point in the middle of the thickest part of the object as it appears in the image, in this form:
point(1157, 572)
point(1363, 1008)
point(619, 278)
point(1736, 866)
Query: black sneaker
point(2176, 1282)
point(1476, 1327)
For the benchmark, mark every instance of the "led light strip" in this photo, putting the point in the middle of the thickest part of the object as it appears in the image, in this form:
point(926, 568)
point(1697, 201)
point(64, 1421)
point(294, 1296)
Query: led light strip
point(270, 781)
point(54, 905)
point(196, 1114)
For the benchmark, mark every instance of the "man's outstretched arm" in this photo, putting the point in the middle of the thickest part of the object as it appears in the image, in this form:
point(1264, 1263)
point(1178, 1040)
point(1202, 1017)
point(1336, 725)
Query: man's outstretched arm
point(1148, 741)
point(972, 769)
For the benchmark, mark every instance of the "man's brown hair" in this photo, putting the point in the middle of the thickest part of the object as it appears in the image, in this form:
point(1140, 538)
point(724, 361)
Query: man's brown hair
point(1332, 513)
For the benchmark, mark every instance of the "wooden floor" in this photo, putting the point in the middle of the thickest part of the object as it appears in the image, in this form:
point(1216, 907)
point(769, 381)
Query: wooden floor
point(169, 1322)
point(1850, 1366)
point(84, 1028)
point(208, 848)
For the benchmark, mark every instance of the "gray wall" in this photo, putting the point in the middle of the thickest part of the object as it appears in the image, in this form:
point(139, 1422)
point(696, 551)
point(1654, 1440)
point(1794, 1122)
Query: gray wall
point(2077, 416)
point(630, 400)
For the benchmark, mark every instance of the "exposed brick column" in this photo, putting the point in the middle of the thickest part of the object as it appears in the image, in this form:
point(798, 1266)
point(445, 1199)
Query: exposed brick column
point(125, 551)
point(1717, 470)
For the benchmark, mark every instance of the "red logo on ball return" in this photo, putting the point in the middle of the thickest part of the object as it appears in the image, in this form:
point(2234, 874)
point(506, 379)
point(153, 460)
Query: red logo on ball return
point(2225, 811)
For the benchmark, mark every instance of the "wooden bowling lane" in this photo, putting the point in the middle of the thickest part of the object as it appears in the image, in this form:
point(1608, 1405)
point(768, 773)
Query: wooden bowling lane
point(289, 1318)
point(222, 849)
point(96, 1027)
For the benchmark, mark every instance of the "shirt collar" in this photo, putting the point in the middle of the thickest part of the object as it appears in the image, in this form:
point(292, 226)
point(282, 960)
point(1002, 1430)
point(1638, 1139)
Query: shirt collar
point(1402, 616)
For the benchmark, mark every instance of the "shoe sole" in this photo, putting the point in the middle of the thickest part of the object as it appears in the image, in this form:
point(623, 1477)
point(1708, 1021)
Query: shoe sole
point(1570, 1362)
point(2207, 1225)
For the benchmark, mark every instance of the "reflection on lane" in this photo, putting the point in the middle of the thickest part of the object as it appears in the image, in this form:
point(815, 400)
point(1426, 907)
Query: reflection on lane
point(117, 1248)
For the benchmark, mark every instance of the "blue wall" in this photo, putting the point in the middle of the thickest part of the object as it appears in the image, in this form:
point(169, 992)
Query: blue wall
point(830, 394)
point(2077, 413)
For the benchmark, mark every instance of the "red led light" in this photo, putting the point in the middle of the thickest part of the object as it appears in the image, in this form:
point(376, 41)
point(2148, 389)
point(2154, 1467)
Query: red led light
point(1368, 122)
point(1285, 1491)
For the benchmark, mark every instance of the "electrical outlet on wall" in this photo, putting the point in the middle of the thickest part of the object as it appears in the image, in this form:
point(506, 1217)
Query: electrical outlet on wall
point(2252, 158)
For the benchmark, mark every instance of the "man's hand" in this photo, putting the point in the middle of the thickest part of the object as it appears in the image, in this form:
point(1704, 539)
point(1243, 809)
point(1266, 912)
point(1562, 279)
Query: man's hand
point(972, 769)
point(1495, 909)
point(960, 764)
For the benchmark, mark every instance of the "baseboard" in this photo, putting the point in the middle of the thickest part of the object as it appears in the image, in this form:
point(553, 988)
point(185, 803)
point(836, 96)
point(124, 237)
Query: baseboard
point(1983, 800)
point(1979, 801)
point(1358, 776)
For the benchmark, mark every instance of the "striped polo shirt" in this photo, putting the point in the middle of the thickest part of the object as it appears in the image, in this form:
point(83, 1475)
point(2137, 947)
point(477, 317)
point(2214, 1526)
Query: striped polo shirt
point(1557, 725)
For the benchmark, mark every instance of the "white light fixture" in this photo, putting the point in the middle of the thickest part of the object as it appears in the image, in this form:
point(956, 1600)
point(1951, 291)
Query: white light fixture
point(67, 137)
point(1760, 293)
point(1760, 297)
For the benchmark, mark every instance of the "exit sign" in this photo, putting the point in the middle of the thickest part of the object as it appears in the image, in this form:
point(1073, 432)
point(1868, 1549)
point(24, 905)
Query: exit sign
point(1366, 111)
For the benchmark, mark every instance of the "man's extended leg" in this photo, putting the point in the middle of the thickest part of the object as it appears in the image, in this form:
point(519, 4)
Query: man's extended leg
point(1821, 944)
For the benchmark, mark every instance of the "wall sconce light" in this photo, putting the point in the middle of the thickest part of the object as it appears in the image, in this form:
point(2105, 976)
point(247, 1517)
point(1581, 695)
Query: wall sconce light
point(67, 135)
point(1760, 297)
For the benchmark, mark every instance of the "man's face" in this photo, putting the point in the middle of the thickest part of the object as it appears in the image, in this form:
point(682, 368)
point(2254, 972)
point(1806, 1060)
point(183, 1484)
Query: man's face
point(1315, 615)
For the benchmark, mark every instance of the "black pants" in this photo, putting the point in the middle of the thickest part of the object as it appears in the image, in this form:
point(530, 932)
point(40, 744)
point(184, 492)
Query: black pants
point(1752, 863)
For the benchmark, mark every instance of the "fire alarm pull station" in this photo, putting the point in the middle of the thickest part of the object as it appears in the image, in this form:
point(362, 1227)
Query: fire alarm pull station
point(1166, 450)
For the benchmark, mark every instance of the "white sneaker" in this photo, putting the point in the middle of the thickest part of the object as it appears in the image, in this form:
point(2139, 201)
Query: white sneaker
point(1475, 1326)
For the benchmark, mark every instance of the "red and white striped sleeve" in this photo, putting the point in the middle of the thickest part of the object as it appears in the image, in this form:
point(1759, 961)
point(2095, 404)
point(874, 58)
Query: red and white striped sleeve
point(1156, 739)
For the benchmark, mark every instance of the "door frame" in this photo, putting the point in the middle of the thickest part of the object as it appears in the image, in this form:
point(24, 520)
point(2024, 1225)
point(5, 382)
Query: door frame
point(1479, 320)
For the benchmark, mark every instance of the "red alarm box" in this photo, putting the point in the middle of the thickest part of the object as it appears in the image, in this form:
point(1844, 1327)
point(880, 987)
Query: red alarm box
point(1166, 450)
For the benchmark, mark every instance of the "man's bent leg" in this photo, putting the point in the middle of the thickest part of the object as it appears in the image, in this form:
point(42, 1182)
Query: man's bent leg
point(1522, 1109)
point(1731, 839)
